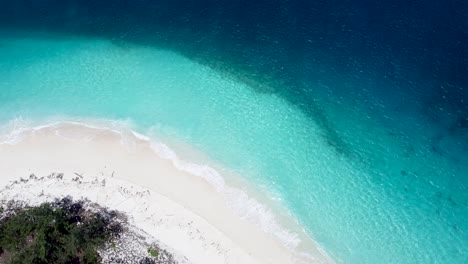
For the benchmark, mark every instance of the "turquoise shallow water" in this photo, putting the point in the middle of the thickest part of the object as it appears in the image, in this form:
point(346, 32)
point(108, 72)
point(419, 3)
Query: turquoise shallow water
point(391, 203)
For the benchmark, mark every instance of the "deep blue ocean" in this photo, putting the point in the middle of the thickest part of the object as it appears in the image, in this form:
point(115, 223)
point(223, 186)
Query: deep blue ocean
point(354, 114)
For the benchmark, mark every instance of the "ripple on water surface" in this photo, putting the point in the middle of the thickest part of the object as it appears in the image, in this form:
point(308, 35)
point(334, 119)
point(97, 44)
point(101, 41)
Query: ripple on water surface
point(374, 207)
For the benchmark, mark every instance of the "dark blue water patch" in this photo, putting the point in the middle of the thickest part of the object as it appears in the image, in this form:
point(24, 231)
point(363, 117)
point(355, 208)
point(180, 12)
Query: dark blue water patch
point(295, 41)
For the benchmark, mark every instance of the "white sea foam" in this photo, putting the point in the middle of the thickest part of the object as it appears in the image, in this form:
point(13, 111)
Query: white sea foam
point(247, 207)
point(239, 201)
point(13, 131)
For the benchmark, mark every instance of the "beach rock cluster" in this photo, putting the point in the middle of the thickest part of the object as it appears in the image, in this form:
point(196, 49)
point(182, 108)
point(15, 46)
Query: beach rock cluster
point(132, 247)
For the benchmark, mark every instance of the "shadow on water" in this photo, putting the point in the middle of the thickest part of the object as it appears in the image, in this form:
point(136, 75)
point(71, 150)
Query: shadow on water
point(285, 48)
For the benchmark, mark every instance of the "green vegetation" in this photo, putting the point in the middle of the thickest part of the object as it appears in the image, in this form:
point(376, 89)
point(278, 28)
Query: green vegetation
point(58, 232)
point(153, 252)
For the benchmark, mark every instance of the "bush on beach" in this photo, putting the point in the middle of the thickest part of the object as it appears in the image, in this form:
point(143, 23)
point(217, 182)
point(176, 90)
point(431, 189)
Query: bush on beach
point(62, 231)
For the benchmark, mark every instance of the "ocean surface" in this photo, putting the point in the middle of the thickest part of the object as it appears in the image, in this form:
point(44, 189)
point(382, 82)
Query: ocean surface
point(352, 115)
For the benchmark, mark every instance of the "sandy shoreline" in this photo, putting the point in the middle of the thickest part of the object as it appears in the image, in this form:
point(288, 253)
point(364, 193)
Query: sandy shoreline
point(182, 211)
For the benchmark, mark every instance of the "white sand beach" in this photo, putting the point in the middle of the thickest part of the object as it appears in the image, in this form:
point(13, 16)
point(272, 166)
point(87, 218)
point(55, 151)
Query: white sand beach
point(184, 212)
